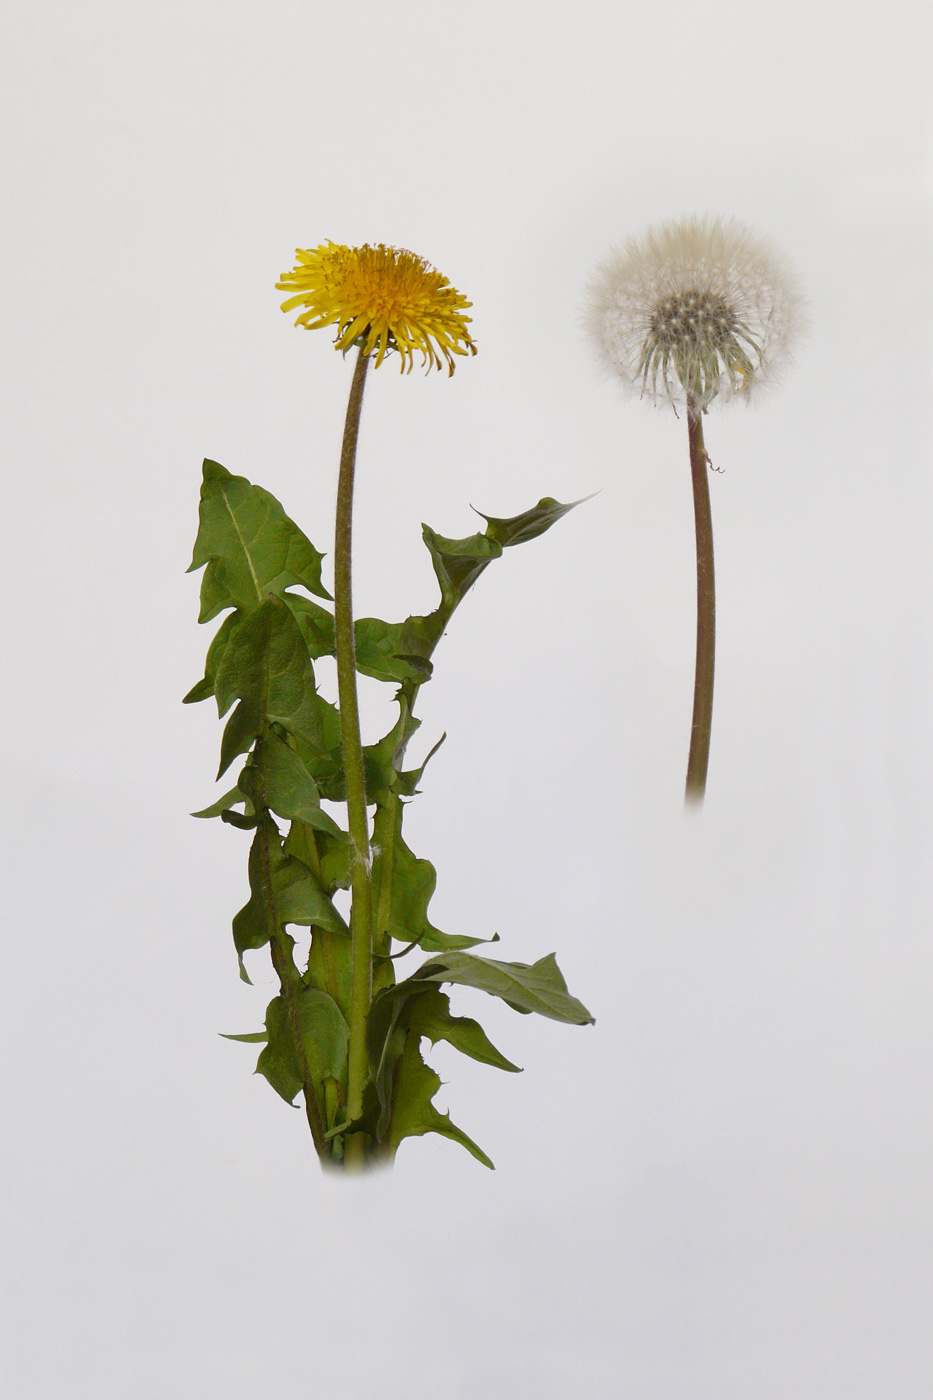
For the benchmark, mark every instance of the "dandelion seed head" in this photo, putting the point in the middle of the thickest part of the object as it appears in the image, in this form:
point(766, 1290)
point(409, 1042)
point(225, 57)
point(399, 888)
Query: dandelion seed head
point(694, 310)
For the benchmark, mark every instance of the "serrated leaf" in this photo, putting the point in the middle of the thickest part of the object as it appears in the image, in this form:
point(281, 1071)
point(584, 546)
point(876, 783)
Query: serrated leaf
point(407, 782)
point(459, 563)
point(287, 787)
point(419, 1006)
point(324, 1035)
point(250, 546)
point(413, 883)
point(266, 666)
point(538, 987)
point(430, 1015)
point(380, 760)
point(413, 1113)
point(517, 529)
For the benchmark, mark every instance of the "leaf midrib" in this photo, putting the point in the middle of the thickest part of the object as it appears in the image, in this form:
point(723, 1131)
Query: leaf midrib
point(239, 534)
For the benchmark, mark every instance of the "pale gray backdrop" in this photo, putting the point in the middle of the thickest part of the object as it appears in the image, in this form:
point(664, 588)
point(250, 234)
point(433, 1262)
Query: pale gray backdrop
point(723, 1190)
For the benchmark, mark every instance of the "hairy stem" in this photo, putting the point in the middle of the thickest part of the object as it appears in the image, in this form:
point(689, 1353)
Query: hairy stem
point(698, 762)
point(361, 917)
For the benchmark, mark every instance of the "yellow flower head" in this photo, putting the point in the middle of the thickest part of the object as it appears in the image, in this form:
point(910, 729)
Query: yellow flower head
point(380, 297)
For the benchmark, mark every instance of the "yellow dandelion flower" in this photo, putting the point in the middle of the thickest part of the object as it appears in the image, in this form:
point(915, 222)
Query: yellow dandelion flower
point(381, 299)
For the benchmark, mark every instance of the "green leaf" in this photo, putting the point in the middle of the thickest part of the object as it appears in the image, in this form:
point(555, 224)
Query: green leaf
point(286, 786)
point(459, 563)
point(413, 1113)
point(253, 1038)
point(430, 1015)
point(202, 690)
point(333, 855)
point(240, 733)
point(325, 764)
point(517, 529)
point(250, 546)
point(419, 1006)
point(282, 891)
point(205, 688)
point(379, 760)
point(407, 782)
point(379, 653)
point(324, 1036)
point(526, 987)
point(420, 635)
point(413, 883)
point(266, 665)
point(244, 822)
point(316, 624)
point(223, 804)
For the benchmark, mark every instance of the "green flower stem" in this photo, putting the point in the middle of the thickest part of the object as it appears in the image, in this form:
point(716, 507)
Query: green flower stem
point(698, 762)
point(361, 917)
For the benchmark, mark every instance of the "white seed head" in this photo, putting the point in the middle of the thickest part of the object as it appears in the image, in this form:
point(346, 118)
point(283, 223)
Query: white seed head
point(695, 310)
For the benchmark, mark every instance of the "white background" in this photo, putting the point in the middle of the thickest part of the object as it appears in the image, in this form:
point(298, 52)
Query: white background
point(723, 1190)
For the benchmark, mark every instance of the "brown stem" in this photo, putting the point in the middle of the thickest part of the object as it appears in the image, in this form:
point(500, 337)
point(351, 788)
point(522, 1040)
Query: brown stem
point(698, 762)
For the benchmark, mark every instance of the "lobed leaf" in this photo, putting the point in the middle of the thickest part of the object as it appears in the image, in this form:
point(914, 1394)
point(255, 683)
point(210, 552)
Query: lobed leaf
point(459, 563)
point(205, 687)
point(517, 529)
point(286, 787)
point(525, 987)
point(333, 855)
point(266, 666)
point(250, 546)
point(416, 1005)
point(413, 883)
point(430, 1015)
point(410, 1010)
point(407, 782)
point(315, 623)
point(413, 1113)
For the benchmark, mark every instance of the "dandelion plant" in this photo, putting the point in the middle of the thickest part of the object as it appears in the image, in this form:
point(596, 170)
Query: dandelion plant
point(696, 311)
point(344, 1031)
